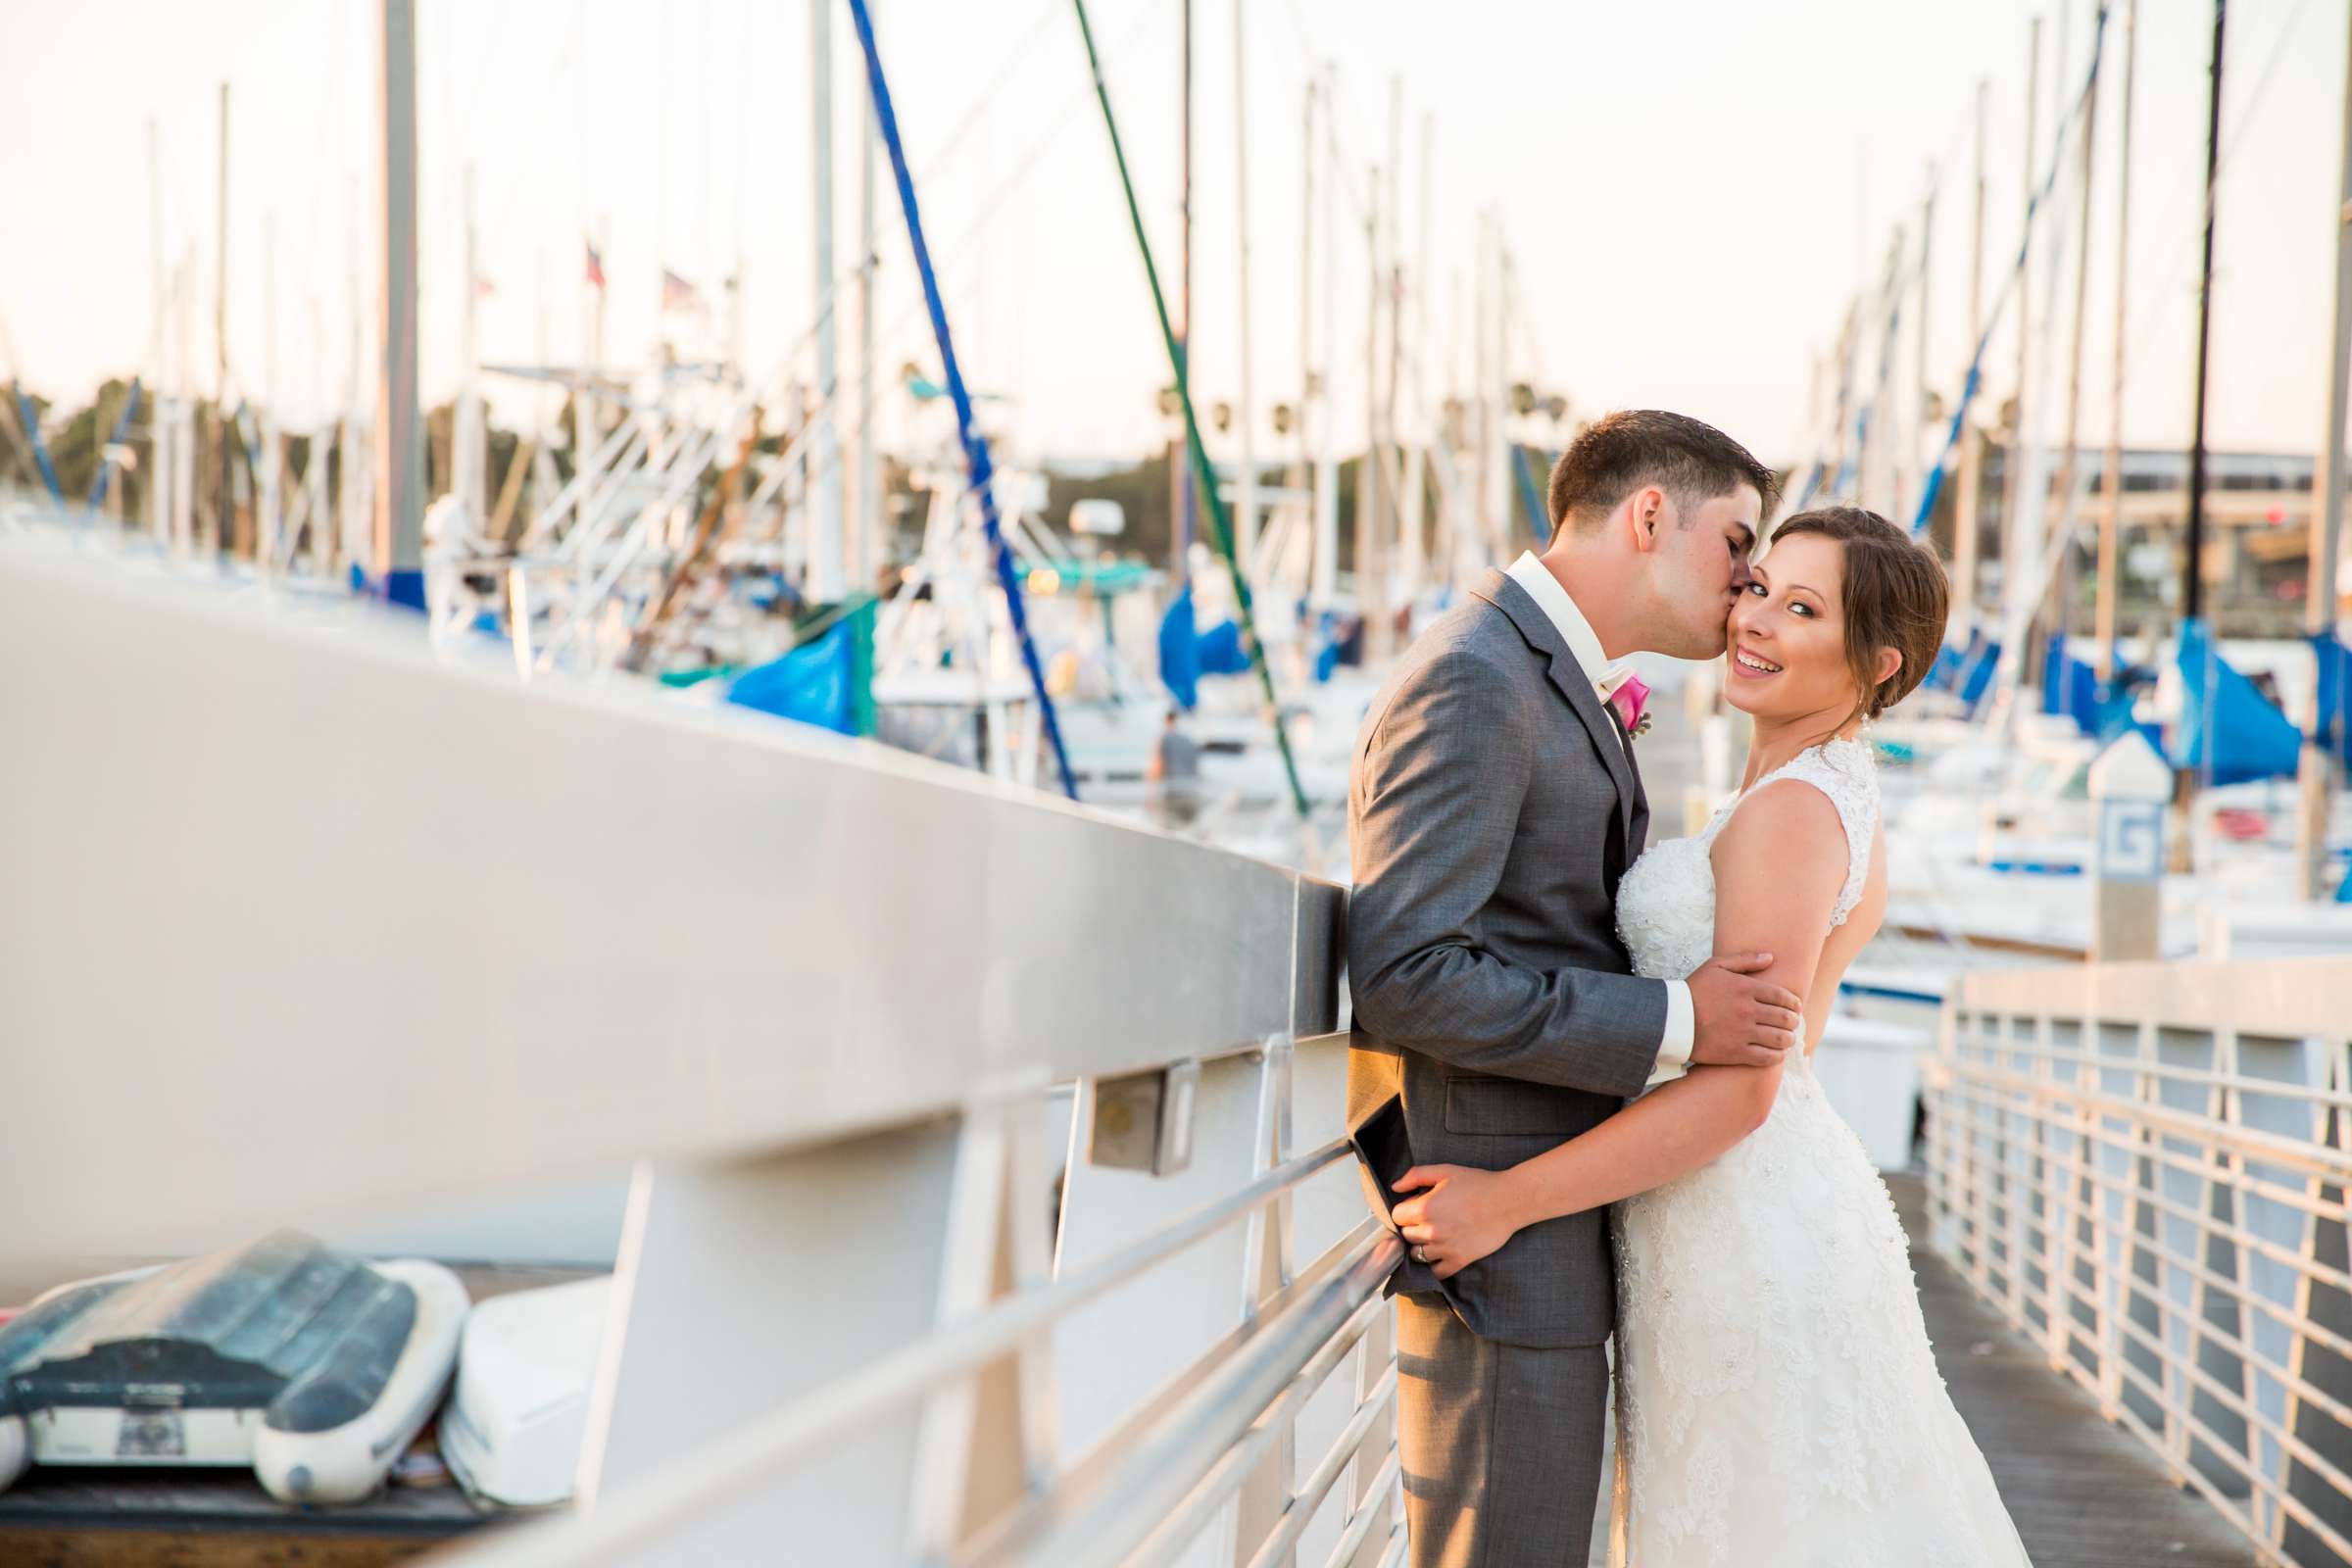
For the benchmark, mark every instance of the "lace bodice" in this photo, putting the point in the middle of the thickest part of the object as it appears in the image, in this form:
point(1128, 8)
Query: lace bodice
point(1666, 901)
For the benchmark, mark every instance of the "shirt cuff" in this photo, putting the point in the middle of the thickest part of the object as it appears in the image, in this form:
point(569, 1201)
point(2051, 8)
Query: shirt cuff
point(1674, 1047)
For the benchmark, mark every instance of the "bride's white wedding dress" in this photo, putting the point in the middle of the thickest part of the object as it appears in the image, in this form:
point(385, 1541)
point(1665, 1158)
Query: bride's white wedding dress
point(1777, 1401)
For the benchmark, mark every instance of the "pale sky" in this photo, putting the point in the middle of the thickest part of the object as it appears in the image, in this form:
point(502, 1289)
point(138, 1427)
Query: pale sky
point(1692, 191)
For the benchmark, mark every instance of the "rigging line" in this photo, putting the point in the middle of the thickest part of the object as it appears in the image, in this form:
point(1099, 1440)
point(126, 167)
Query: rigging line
point(1932, 486)
point(903, 326)
point(960, 250)
point(1219, 518)
point(954, 142)
point(2151, 314)
point(975, 444)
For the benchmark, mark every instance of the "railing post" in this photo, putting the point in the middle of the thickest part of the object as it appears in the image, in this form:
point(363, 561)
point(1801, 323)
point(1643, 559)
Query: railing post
point(2328, 1308)
point(720, 1314)
point(1267, 1267)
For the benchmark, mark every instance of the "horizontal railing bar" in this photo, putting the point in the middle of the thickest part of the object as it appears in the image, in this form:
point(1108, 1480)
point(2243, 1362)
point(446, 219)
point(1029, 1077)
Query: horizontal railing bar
point(2279, 997)
point(2227, 1451)
point(2260, 1246)
point(1385, 1482)
point(2304, 1268)
point(1107, 1453)
point(1300, 1509)
point(739, 1460)
point(2241, 1294)
point(2123, 1142)
point(2189, 1475)
point(2271, 1147)
point(2162, 1397)
point(2338, 1099)
point(2237, 1402)
point(1103, 1455)
point(2003, 1125)
point(1165, 1468)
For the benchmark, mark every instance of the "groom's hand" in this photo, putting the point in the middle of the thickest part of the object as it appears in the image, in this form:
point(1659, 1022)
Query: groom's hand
point(1739, 1020)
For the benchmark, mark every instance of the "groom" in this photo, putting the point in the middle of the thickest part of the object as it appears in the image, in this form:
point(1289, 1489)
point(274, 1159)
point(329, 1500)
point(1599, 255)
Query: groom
point(1494, 805)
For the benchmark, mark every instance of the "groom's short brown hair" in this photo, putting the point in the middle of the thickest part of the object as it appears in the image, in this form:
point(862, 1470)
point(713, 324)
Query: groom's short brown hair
point(1689, 459)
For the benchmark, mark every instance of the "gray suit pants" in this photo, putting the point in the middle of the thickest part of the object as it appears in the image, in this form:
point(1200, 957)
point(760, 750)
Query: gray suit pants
point(1500, 1445)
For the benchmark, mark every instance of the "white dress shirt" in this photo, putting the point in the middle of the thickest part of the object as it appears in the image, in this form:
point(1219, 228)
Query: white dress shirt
point(1584, 646)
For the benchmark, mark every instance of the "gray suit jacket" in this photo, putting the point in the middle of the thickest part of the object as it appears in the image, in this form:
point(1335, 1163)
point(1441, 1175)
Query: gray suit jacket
point(1492, 811)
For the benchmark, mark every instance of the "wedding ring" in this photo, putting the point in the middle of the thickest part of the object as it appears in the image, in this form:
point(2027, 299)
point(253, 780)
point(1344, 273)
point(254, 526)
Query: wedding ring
point(1420, 1255)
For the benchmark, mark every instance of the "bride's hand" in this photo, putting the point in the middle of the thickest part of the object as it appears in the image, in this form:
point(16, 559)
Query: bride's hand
point(1463, 1216)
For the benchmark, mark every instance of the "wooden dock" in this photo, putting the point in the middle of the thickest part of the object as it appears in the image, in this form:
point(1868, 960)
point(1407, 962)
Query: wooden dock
point(2085, 1493)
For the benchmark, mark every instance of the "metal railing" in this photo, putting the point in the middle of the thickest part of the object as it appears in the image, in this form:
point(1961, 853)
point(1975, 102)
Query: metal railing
point(360, 926)
point(2143, 1167)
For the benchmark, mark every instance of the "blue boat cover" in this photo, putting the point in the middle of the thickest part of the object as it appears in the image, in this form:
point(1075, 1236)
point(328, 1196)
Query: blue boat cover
point(2229, 730)
point(817, 683)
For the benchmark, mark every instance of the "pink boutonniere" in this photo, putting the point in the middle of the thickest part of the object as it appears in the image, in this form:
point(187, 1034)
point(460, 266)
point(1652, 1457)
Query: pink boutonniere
point(1630, 698)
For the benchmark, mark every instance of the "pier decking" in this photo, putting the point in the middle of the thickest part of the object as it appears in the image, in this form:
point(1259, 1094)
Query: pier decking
point(2085, 1493)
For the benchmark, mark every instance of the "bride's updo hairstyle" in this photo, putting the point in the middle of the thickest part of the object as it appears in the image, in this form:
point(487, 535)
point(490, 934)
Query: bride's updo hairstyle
point(1895, 596)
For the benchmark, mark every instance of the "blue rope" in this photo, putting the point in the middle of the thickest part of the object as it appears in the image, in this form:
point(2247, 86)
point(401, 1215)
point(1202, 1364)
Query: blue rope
point(975, 445)
point(40, 449)
point(2025, 247)
point(130, 412)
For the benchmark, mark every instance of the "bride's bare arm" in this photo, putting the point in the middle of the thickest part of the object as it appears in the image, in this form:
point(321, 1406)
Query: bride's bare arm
point(1779, 866)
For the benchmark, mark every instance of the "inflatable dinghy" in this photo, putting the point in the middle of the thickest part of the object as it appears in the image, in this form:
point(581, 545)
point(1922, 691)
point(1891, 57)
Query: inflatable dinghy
point(512, 1429)
point(314, 1368)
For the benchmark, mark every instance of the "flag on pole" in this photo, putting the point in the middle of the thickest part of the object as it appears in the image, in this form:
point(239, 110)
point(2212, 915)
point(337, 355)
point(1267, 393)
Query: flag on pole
point(678, 295)
point(595, 264)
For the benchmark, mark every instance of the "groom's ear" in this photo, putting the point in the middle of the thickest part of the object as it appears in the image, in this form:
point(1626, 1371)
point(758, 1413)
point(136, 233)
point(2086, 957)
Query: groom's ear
point(1649, 514)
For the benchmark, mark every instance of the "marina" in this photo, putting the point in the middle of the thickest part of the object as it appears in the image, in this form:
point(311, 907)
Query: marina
point(713, 952)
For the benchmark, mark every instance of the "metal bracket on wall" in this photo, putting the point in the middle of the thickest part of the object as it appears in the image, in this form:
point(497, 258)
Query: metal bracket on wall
point(1144, 1120)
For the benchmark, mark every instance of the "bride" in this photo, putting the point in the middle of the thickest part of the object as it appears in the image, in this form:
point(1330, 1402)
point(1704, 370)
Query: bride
point(1777, 1400)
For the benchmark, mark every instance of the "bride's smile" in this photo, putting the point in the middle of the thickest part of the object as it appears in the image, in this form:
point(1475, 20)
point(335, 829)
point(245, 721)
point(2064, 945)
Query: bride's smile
point(1789, 653)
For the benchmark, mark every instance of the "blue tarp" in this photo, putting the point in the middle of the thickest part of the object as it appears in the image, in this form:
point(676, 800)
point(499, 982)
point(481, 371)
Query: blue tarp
point(815, 683)
point(1966, 673)
point(2335, 688)
point(1180, 652)
point(2229, 730)
point(1187, 654)
point(1977, 669)
point(2070, 687)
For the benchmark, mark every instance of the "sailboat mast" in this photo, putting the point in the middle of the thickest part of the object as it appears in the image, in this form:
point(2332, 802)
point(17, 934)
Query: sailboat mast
point(2014, 556)
point(1301, 465)
point(160, 421)
point(1371, 601)
point(1180, 476)
point(1245, 535)
point(824, 582)
point(1968, 504)
point(399, 529)
point(223, 520)
point(2192, 566)
point(470, 470)
point(1327, 461)
point(1419, 554)
point(2323, 740)
point(866, 553)
point(2070, 464)
point(2192, 584)
point(2111, 477)
point(1914, 393)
